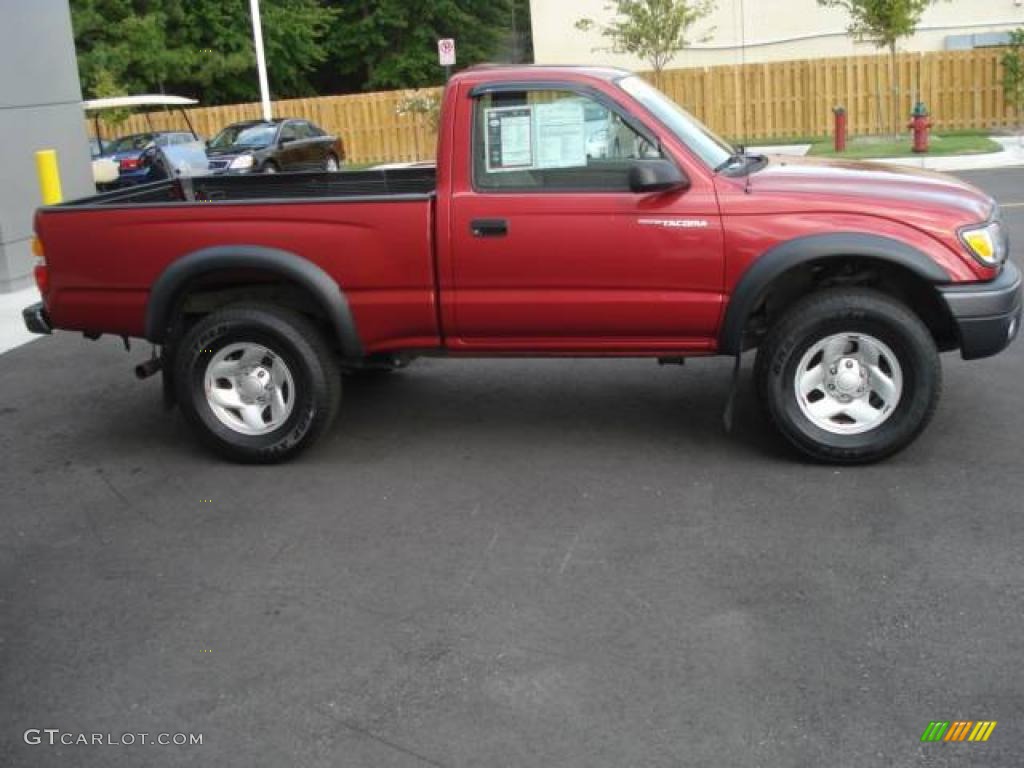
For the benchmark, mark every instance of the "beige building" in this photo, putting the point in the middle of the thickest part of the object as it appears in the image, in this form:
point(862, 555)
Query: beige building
point(767, 30)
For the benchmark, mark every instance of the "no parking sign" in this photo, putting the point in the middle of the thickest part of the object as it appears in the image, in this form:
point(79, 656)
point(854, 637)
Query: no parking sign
point(446, 52)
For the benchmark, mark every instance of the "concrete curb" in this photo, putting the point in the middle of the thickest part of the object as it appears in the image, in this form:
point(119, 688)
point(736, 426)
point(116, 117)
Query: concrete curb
point(1011, 156)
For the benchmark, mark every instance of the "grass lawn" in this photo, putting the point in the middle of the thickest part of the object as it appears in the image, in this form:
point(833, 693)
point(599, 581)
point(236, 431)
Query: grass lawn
point(864, 147)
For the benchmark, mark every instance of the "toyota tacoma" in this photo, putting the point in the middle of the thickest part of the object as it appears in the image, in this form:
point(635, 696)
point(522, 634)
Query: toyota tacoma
point(572, 211)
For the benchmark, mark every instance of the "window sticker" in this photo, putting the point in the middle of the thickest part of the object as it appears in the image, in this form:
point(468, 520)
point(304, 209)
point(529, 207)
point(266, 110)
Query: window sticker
point(508, 140)
point(560, 128)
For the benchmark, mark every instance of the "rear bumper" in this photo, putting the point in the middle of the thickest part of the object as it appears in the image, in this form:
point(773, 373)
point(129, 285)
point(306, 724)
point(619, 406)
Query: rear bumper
point(36, 319)
point(987, 315)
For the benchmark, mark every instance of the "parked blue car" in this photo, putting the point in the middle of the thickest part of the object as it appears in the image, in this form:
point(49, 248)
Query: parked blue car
point(130, 153)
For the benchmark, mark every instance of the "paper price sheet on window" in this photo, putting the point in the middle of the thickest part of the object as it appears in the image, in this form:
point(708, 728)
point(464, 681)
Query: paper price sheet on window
point(536, 137)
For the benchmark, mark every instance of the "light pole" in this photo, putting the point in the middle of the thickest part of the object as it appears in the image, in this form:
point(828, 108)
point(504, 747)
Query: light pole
point(261, 59)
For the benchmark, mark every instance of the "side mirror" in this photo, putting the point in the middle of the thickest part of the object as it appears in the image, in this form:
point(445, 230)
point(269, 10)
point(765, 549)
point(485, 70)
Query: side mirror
point(657, 176)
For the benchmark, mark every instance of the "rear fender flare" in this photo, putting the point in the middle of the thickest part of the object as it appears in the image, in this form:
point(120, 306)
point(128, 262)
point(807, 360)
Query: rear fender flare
point(753, 285)
point(167, 289)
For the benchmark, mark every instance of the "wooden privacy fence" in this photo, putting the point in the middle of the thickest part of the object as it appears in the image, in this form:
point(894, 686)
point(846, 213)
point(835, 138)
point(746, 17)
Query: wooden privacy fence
point(753, 102)
point(778, 100)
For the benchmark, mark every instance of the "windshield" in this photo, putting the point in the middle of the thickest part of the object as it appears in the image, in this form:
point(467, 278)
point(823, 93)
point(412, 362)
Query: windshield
point(258, 135)
point(134, 143)
point(692, 132)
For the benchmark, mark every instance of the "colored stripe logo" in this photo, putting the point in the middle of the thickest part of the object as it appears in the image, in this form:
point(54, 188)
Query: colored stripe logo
point(958, 730)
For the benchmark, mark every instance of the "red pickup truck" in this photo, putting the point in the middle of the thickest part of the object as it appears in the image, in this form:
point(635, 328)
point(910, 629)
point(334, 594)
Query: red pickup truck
point(572, 212)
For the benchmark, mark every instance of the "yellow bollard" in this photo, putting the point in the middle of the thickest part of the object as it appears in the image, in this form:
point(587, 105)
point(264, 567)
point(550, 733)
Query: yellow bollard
point(49, 176)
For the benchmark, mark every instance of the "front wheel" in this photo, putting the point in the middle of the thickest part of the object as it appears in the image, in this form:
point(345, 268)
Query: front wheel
point(258, 384)
point(849, 376)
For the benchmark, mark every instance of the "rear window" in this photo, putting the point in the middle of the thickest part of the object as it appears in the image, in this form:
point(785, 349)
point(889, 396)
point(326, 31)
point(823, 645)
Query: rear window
point(135, 142)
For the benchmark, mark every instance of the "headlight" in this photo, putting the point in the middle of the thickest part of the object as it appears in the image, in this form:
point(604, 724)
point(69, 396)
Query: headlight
point(241, 163)
point(988, 244)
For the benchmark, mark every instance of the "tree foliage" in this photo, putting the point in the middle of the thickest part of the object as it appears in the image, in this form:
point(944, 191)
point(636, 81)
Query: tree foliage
point(200, 48)
point(1013, 72)
point(393, 43)
point(652, 30)
point(204, 48)
point(885, 23)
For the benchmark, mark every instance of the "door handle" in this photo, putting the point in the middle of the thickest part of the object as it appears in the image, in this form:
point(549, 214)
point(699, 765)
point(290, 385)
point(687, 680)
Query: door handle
point(489, 227)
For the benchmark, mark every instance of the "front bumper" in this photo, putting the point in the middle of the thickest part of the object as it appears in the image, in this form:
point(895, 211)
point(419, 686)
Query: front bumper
point(36, 319)
point(987, 315)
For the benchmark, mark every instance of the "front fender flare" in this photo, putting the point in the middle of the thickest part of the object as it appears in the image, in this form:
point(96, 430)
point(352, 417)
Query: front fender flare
point(167, 289)
point(755, 281)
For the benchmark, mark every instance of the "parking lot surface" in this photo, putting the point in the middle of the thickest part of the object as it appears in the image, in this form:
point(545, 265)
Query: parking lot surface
point(508, 563)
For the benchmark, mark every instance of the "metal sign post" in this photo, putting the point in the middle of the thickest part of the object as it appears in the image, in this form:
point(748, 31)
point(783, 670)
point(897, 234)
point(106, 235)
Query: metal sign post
point(261, 59)
point(446, 55)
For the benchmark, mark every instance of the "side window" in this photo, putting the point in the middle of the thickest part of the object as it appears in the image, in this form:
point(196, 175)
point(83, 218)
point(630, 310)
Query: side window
point(289, 132)
point(303, 131)
point(553, 140)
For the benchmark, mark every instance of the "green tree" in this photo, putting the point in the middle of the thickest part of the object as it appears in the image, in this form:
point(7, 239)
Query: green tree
point(885, 23)
point(200, 48)
point(653, 30)
point(1013, 75)
point(393, 43)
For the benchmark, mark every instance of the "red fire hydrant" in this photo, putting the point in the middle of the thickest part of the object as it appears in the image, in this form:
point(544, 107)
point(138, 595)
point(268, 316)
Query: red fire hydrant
point(840, 128)
point(921, 126)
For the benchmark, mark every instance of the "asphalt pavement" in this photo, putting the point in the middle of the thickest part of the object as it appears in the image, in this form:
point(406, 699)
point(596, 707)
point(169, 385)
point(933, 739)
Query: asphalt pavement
point(507, 563)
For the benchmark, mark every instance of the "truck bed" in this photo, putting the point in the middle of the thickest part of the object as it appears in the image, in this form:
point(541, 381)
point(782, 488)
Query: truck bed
point(370, 231)
point(406, 183)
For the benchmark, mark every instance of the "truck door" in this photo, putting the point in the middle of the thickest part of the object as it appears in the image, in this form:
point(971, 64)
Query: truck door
point(550, 248)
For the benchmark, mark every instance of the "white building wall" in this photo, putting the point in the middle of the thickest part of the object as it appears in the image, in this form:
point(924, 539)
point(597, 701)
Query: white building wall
point(773, 30)
point(40, 108)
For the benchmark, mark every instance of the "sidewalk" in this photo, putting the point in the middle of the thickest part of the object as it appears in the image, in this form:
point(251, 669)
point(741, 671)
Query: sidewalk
point(12, 328)
point(1011, 156)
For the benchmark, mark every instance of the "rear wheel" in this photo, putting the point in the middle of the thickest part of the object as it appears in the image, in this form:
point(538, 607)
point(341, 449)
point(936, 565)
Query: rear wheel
point(258, 384)
point(332, 165)
point(849, 376)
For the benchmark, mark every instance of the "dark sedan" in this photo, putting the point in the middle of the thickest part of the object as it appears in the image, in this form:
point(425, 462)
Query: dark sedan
point(260, 146)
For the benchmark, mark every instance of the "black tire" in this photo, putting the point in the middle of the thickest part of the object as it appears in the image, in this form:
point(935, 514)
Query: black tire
point(302, 348)
point(270, 167)
point(849, 310)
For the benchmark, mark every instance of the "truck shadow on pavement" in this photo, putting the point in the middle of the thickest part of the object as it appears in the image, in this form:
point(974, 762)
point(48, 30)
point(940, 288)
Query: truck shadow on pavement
point(625, 404)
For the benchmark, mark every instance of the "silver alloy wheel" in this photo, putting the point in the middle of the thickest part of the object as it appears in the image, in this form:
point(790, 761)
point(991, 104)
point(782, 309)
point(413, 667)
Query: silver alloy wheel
point(332, 164)
point(848, 383)
point(249, 388)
